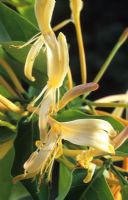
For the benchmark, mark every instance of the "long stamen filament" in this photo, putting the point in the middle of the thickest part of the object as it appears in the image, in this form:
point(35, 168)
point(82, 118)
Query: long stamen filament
point(35, 37)
point(62, 24)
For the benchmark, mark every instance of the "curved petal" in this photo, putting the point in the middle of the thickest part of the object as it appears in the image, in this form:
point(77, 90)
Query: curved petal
point(112, 98)
point(52, 58)
point(40, 160)
point(75, 92)
point(57, 58)
point(89, 132)
point(33, 53)
point(64, 58)
point(120, 138)
point(44, 10)
point(46, 104)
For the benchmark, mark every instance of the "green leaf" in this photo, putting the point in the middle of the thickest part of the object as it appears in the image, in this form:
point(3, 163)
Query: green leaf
point(78, 186)
point(7, 135)
point(7, 132)
point(65, 181)
point(28, 13)
point(13, 26)
point(125, 192)
point(23, 148)
point(7, 189)
point(98, 190)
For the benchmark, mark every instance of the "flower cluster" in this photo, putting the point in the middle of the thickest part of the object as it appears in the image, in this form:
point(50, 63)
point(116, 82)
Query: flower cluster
point(98, 136)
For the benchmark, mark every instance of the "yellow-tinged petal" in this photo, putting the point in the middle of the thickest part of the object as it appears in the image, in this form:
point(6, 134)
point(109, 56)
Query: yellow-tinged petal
point(90, 173)
point(57, 59)
point(44, 11)
point(33, 53)
point(75, 92)
point(120, 138)
point(39, 161)
point(113, 98)
point(46, 104)
point(89, 132)
point(64, 58)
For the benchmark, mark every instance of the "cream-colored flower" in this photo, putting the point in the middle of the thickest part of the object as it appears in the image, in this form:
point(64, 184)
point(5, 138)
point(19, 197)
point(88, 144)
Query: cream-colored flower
point(87, 132)
point(41, 161)
point(49, 105)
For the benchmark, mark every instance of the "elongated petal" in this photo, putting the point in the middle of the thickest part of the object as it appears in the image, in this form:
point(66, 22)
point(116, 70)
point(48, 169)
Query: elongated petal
point(33, 53)
point(120, 138)
point(112, 98)
point(89, 132)
point(39, 161)
point(57, 58)
point(44, 10)
point(64, 59)
point(91, 170)
point(75, 92)
point(43, 114)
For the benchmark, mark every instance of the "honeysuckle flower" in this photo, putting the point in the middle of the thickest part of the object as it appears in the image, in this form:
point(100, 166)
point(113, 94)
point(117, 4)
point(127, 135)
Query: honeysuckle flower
point(48, 104)
point(41, 161)
point(57, 60)
point(85, 158)
point(86, 132)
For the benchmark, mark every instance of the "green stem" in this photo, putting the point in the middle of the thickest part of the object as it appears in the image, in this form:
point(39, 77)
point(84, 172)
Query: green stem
point(109, 59)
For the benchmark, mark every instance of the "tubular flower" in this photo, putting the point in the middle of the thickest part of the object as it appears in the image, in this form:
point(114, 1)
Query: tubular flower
point(56, 48)
point(88, 132)
point(96, 134)
point(41, 161)
point(57, 60)
point(48, 104)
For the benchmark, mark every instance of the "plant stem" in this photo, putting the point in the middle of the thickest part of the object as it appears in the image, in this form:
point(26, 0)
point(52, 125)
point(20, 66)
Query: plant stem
point(109, 59)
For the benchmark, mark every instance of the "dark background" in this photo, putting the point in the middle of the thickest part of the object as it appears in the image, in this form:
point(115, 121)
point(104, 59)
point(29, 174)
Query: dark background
point(102, 21)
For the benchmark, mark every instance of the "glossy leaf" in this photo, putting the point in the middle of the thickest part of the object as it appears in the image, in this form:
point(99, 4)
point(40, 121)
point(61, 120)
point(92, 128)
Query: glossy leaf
point(98, 190)
point(7, 189)
point(65, 181)
point(23, 148)
point(17, 29)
